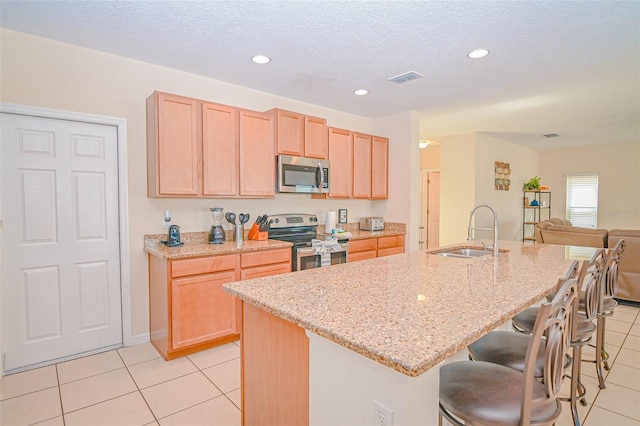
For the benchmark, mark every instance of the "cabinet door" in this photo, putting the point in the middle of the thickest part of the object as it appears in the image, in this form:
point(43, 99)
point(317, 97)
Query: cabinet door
point(379, 167)
point(201, 310)
point(290, 129)
point(219, 149)
point(341, 160)
point(173, 145)
point(361, 166)
point(315, 137)
point(257, 154)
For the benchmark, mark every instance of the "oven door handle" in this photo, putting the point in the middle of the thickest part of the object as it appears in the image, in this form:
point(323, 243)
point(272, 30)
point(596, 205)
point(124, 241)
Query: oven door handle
point(306, 251)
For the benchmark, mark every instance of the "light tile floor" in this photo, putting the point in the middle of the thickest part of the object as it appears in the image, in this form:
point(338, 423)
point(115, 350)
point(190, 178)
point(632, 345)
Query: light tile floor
point(128, 386)
point(134, 386)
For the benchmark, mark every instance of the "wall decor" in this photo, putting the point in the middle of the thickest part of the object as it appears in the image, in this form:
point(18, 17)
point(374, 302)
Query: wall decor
point(502, 176)
point(342, 215)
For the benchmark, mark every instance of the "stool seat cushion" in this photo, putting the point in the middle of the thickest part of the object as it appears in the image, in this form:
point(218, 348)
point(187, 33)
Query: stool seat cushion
point(506, 348)
point(526, 319)
point(490, 394)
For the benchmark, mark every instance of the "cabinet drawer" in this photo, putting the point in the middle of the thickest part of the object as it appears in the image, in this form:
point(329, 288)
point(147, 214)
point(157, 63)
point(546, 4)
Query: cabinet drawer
point(390, 251)
point(266, 257)
point(265, 271)
point(362, 245)
point(392, 241)
point(361, 255)
point(202, 265)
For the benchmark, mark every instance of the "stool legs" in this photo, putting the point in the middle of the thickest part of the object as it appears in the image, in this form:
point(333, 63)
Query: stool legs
point(601, 355)
point(575, 379)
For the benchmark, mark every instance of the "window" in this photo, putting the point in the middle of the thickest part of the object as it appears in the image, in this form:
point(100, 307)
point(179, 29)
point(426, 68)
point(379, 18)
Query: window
point(582, 200)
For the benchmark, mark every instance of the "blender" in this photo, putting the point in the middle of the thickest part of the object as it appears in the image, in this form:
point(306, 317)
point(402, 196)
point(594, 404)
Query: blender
point(216, 234)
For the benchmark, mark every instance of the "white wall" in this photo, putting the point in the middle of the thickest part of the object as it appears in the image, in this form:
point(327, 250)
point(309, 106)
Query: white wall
point(457, 186)
point(467, 179)
point(618, 168)
point(508, 204)
point(403, 204)
point(45, 73)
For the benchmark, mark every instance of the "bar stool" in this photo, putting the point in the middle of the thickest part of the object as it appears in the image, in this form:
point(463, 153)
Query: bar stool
point(508, 348)
point(477, 392)
point(608, 304)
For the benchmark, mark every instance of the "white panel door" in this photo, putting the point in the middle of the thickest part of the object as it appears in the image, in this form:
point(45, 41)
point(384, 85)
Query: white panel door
point(60, 239)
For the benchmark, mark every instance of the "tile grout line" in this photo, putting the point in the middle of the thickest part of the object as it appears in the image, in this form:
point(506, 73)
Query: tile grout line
point(138, 387)
point(593, 404)
point(64, 422)
point(221, 391)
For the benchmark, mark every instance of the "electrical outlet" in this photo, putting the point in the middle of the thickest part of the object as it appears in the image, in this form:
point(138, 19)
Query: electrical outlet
point(167, 219)
point(382, 416)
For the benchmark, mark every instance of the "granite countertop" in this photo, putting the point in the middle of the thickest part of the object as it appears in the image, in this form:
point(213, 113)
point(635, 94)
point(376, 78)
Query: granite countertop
point(390, 229)
point(196, 244)
point(411, 311)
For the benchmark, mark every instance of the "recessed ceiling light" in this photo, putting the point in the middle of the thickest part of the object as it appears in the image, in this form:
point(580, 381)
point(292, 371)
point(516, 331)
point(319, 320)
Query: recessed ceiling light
point(261, 59)
point(478, 53)
point(361, 92)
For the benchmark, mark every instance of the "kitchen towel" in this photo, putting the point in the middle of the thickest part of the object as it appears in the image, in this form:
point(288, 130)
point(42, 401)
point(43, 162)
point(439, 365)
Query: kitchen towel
point(324, 249)
point(330, 222)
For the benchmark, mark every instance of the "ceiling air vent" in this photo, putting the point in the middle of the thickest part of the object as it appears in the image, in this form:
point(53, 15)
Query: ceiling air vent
point(406, 77)
point(551, 135)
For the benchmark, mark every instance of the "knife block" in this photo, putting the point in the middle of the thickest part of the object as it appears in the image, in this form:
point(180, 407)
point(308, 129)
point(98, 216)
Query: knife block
point(256, 234)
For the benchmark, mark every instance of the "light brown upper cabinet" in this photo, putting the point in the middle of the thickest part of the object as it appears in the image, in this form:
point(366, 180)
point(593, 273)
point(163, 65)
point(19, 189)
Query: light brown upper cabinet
point(361, 165)
point(203, 149)
point(379, 168)
point(219, 149)
point(370, 166)
point(257, 155)
point(300, 135)
point(173, 146)
point(341, 160)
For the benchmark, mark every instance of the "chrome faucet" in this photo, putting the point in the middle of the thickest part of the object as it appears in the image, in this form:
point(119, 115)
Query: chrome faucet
point(470, 236)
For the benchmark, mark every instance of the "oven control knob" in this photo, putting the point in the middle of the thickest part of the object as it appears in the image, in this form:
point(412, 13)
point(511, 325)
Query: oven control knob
point(277, 221)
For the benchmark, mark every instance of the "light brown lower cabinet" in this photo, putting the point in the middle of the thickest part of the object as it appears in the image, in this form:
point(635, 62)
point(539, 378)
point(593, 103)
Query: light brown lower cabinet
point(375, 247)
point(363, 249)
point(201, 311)
point(188, 309)
point(393, 244)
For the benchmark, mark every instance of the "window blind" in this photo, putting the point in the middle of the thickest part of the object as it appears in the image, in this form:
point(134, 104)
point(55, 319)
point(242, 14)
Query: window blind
point(582, 200)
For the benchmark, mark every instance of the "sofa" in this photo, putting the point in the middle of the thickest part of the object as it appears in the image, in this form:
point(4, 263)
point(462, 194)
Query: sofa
point(561, 231)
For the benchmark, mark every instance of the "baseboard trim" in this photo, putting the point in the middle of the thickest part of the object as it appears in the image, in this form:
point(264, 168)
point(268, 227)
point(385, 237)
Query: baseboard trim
point(139, 339)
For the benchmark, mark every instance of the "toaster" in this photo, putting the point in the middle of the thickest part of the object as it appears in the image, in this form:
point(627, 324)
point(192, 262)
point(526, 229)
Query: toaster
point(372, 223)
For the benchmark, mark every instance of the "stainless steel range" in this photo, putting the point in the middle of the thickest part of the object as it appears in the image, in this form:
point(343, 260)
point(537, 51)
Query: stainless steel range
point(307, 251)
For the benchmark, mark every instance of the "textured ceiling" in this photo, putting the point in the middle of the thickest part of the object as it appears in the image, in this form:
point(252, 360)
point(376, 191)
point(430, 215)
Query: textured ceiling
point(566, 67)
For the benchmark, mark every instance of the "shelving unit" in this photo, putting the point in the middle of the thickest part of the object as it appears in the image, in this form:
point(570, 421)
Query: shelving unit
point(532, 215)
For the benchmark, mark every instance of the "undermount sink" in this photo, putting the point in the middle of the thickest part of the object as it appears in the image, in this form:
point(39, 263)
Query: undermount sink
point(465, 252)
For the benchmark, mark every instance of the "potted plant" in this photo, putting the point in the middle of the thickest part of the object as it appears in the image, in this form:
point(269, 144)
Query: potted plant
point(533, 184)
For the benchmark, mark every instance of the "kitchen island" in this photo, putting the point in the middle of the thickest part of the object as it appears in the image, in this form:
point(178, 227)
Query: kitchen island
point(320, 346)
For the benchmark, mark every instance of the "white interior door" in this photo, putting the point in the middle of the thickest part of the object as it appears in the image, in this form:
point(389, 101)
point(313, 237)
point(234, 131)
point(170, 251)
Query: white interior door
point(60, 239)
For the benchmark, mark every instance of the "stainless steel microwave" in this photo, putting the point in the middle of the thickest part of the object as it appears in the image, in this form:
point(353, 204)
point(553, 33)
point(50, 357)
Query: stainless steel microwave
point(303, 175)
